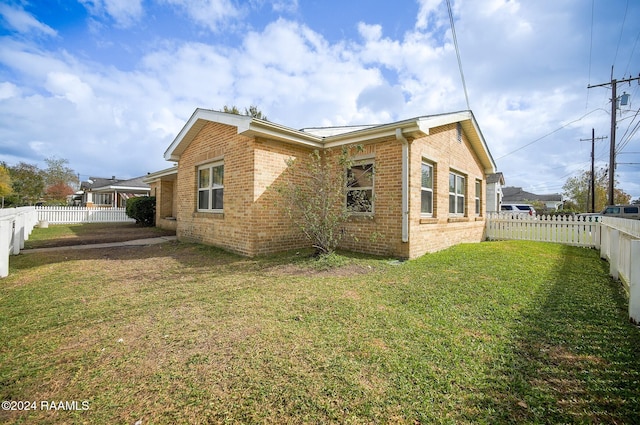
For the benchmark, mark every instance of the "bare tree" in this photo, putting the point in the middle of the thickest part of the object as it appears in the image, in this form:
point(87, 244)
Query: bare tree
point(322, 192)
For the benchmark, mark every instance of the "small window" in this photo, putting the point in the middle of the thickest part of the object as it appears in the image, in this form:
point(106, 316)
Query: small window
point(478, 196)
point(426, 199)
point(459, 132)
point(211, 187)
point(360, 188)
point(456, 194)
point(631, 210)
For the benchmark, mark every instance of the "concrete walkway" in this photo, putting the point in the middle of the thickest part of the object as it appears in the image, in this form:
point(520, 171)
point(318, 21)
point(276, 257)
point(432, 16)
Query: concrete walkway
point(136, 242)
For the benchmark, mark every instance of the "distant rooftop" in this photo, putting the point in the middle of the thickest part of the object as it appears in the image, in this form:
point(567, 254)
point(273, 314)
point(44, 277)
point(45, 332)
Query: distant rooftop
point(334, 131)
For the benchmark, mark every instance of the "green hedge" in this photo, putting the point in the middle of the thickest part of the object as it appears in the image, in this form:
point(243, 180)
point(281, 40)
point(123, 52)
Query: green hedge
point(142, 209)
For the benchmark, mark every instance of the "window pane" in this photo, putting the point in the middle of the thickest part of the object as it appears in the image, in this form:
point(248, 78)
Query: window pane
point(452, 203)
point(203, 199)
point(460, 209)
point(477, 206)
point(218, 175)
point(217, 199)
point(427, 202)
point(203, 179)
point(478, 189)
point(427, 176)
point(459, 185)
point(360, 176)
point(452, 183)
point(360, 200)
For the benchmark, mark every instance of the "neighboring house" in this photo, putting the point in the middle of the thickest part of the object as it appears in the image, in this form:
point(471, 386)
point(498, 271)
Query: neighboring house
point(494, 192)
point(428, 183)
point(113, 192)
point(515, 195)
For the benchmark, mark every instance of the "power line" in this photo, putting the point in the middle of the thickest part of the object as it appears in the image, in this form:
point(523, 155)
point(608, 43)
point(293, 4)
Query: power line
point(593, 3)
point(612, 148)
point(548, 134)
point(455, 43)
point(620, 38)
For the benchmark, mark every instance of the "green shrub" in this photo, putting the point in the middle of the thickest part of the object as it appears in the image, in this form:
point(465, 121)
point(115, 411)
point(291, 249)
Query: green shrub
point(142, 209)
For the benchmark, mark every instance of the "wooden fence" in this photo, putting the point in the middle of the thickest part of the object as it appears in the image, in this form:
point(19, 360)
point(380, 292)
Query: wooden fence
point(16, 225)
point(71, 215)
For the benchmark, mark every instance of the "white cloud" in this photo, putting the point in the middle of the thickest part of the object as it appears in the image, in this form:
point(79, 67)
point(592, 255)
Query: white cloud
point(8, 90)
point(211, 14)
point(23, 22)
point(430, 15)
point(124, 12)
point(288, 6)
point(519, 60)
point(70, 87)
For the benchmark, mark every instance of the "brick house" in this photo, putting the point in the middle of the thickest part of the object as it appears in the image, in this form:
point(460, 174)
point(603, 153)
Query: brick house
point(428, 181)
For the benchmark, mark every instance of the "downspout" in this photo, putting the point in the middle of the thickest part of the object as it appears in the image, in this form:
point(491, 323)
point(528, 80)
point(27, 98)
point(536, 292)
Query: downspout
point(405, 184)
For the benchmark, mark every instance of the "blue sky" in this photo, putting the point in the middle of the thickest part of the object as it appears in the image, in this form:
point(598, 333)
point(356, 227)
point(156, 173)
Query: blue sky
point(107, 84)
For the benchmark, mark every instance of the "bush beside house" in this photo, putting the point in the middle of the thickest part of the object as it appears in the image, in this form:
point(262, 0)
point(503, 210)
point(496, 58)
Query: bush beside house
point(142, 209)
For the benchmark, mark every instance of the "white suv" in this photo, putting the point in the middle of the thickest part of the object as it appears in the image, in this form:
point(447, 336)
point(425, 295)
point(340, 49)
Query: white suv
point(518, 209)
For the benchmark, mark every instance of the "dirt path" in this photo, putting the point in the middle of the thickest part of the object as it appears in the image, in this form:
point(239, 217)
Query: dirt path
point(93, 233)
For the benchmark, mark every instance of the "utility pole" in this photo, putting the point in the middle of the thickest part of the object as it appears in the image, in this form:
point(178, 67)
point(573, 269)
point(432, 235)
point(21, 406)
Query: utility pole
point(592, 182)
point(612, 143)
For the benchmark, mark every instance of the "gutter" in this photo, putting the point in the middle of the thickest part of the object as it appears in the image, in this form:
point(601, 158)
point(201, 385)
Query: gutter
point(405, 184)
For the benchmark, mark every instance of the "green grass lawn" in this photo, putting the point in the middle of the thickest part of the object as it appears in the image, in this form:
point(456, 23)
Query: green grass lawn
point(495, 333)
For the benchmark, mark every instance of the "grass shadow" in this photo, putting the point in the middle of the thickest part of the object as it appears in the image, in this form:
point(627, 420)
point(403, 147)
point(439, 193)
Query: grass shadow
point(574, 358)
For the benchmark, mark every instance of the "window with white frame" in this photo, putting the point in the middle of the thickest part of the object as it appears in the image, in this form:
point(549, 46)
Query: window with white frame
point(426, 197)
point(211, 187)
point(478, 196)
point(456, 194)
point(360, 188)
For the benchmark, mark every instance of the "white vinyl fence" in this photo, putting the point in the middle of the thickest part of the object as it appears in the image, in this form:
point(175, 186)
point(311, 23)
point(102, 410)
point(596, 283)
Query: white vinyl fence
point(617, 239)
point(72, 215)
point(16, 225)
point(620, 246)
point(568, 230)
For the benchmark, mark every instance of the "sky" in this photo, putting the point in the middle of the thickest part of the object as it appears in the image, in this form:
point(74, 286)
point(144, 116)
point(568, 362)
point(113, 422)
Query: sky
point(108, 84)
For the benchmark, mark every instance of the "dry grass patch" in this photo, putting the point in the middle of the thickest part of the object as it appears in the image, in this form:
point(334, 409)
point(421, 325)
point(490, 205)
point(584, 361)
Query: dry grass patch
point(91, 233)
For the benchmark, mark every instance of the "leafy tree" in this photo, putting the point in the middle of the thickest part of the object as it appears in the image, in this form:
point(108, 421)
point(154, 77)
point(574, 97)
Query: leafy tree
point(5, 183)
point(27, 181)
point(252, 111)
point(314, 196)
point(59, 179)
point(231, 109)
point(58, 192)
point(576, 191)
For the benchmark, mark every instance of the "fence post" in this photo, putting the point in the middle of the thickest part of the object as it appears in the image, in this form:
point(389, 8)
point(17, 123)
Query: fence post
point(5, 242)
point(18, 233)
point(614, 252)
point(634, 283)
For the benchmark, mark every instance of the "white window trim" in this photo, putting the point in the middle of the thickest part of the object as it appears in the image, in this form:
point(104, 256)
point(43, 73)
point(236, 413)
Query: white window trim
point(478, 198)
point(359, 162)
point(210, 166)
point(457, 195)
point(422, 188)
